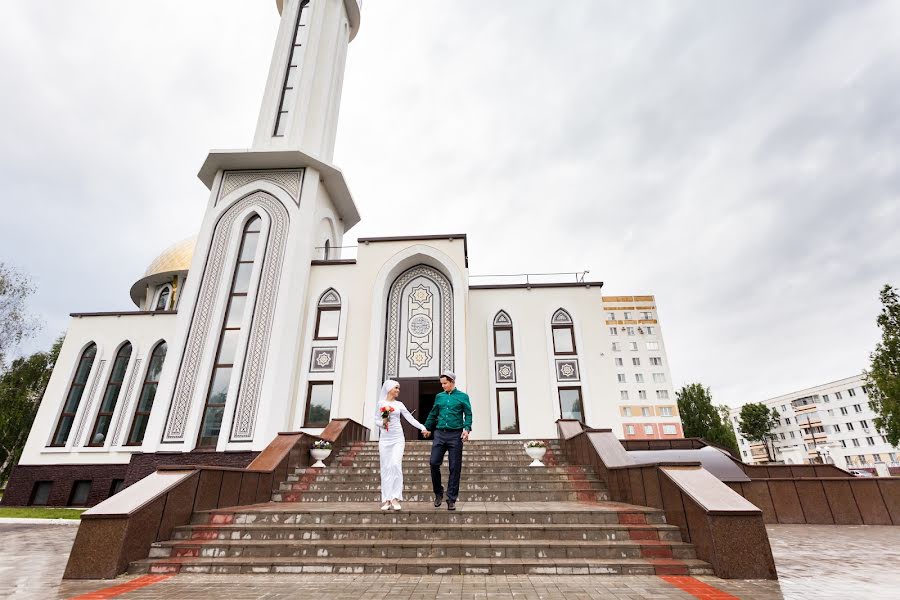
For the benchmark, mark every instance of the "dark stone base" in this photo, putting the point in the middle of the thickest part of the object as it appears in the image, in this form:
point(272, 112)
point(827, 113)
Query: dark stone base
point(21, 484)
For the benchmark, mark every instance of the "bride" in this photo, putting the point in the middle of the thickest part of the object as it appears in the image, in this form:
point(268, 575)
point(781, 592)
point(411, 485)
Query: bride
point(391, 443)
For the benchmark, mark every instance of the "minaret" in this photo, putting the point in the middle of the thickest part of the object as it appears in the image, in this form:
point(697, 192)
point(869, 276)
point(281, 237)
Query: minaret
point(230, 381)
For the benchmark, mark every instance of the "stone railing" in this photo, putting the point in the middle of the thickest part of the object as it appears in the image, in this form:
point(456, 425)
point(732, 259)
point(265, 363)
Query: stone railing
point(121, 529)
point(726, 530)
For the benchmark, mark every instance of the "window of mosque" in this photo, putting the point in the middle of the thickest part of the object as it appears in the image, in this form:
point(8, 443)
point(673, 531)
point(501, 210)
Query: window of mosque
point(318, 408)
point(73, 398)
point(508, 411)
point(292, 76)
point(80, 491)
point(148, 394)
point(327, 323)
point(220, 380)
point(162, 302)
point(563, 339)
point(570, 403)
point(503, 341)
point(110, 397)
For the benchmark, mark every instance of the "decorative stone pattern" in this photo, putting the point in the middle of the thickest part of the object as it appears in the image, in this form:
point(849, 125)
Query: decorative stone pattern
point(289, 181)
point(567, 370)
point(126, 402)
point(201, 322)
point(323, 360)
point(505, 371)
point(561, 317)
point(330, 298)
point(419, 327)
point(392, 335)
point(89, 406)
point(502, 319)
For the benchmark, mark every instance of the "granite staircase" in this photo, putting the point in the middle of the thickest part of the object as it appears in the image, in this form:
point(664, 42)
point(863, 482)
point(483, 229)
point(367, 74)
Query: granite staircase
point(510, 519)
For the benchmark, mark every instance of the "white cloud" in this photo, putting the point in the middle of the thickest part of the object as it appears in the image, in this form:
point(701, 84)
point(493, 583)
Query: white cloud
point(738, 159)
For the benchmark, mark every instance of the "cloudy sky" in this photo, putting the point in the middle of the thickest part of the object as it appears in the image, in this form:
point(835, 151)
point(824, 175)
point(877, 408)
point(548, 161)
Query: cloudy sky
point(740, 160)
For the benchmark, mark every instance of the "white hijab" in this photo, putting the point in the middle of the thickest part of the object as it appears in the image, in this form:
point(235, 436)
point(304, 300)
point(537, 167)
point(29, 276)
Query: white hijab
point(385, 389)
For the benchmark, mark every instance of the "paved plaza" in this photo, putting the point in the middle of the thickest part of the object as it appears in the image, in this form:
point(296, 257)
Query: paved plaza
point(822, 562)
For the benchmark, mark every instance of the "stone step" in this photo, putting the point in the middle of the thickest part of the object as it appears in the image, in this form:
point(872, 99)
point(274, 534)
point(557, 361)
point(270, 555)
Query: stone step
point(340, 477)
point(423, 464)
point(467, 469)
point(573, 494)
point(467, 513)
point(418, 548)
point(507, 454)
point(419, 444)
point(423, 485)
point(442, 566)
point(543, 532)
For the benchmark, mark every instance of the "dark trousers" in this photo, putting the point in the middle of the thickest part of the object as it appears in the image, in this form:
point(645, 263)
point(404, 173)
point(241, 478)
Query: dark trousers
point(446, 440)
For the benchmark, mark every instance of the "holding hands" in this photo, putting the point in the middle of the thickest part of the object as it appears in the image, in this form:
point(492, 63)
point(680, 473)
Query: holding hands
point(426, 434)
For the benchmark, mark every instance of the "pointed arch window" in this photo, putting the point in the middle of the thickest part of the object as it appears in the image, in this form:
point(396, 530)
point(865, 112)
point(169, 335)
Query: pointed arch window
point(73, 398)
point(110, 396)
point(228, 339)
point(328, 316)
point(162, 301)
point(148, 394)
point(563, 333)
point(503, 335)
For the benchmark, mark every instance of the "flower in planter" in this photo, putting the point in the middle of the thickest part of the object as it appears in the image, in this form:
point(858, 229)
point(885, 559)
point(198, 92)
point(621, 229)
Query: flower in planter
point(535, 444)
point(321, 445)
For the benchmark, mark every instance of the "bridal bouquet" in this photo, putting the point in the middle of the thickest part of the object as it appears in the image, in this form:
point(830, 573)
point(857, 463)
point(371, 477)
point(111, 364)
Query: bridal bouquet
point(386, 415)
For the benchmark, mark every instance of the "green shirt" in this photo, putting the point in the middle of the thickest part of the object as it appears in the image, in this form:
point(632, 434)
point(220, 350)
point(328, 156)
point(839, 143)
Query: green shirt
point(451, 410)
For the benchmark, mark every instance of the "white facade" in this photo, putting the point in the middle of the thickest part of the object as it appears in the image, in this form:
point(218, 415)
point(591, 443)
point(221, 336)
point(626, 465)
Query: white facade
point(266, 328)
point(829, 421)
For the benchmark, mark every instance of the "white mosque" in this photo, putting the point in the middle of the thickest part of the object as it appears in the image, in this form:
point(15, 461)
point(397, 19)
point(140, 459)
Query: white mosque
point(260, 325)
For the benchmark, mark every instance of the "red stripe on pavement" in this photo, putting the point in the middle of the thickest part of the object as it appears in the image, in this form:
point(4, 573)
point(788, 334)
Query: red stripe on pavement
point(124, 588)
point(697, 588)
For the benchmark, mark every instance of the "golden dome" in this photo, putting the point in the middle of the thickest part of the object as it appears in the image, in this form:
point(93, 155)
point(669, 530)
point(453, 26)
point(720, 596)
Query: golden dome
point(176, 257)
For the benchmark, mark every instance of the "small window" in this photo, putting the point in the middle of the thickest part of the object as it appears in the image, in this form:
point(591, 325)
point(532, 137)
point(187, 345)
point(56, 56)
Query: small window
point(632, 346)
point(613, 331)
point(652, 345)
point(659, 378)
point(616, 347)
point(642, 394)
point(837, 428)
point(870, 441)
point(327, 322)
point(73, 399)
point(669, 430)
point(563, 339)
point(623, 394)
point(850, 427)
point(864, 424)
point(629, 330)
point(855, 443)
point(620, 377)
point(645, 412)
point(618, 362)
point(843, 410)
point(318, 406)
point(626, 411)
point(825, 398)
point(787, 421)
point(629, 429)
point(838, 396)
point(626, 315)
point(116, 486)
point(783, 408)
point(791, 433)
point(508, 411)
point(611, 316)
point(503, 341)
point(648, 429)
point(81, 489)
point(655, 361)
point(639, 378)
point(636, 362)
point(662, 394)
point(570, 403)
point(40, 493)
point(852, 392)
point(666, 411)
point(857, 408)
point(650, 330)
point(162, 301)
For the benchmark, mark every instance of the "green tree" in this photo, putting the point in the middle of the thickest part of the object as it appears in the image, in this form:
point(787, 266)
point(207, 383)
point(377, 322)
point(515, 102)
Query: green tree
point(699, 418)
point(21, 389)
point(883, 375)
point(15, 322)
point(756, 423)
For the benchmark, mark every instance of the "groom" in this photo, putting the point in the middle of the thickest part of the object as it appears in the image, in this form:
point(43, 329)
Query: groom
point(451, 421)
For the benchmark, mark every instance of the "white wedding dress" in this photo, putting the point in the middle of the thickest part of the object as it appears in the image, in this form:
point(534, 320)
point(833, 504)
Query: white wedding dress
point(391, 444)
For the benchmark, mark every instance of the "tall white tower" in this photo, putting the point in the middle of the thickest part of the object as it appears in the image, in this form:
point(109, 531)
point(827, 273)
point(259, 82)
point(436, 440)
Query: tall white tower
point(230, 380)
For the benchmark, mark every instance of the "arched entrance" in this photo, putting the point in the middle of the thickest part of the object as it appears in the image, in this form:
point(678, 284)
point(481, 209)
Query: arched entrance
point(418, 337)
